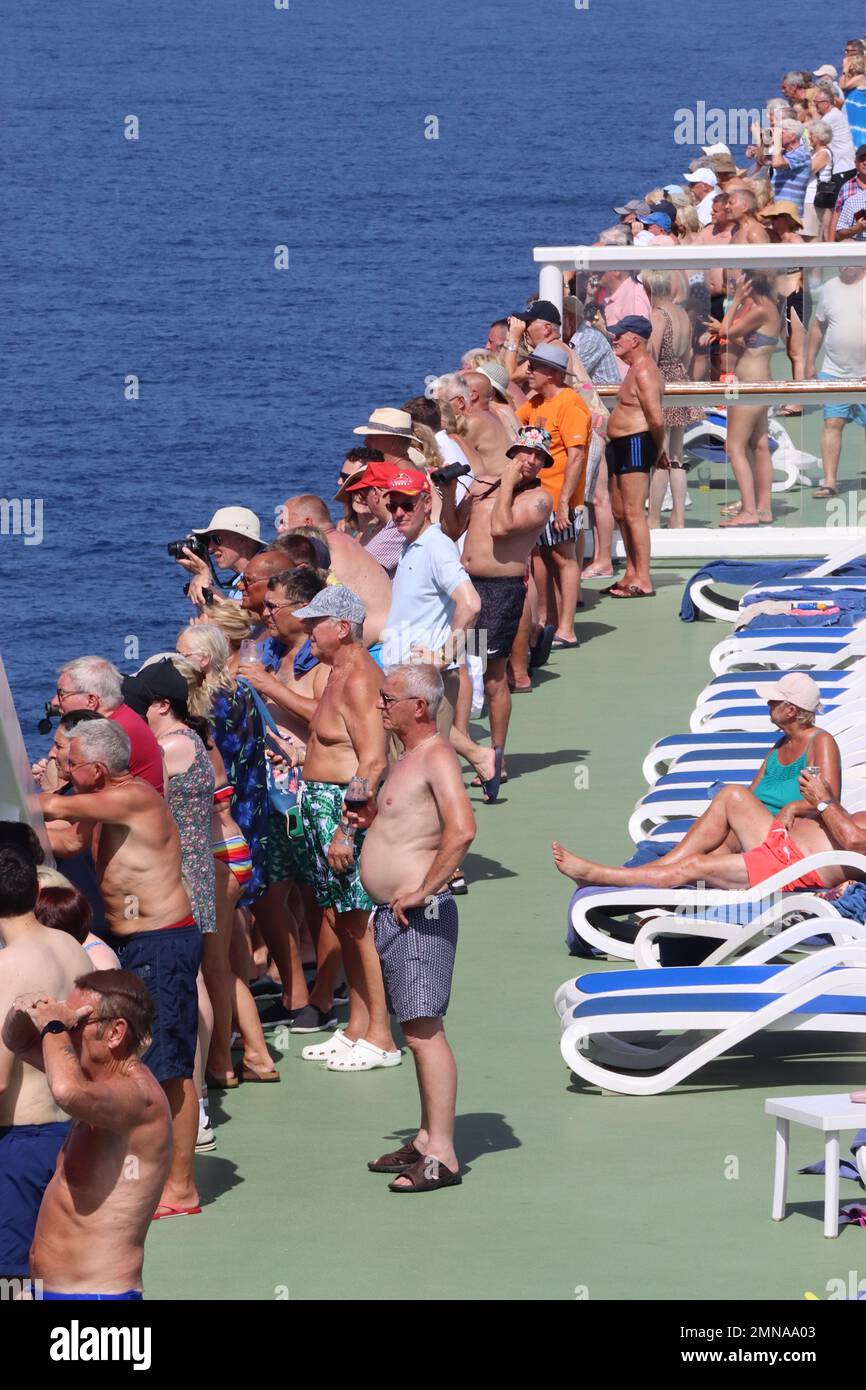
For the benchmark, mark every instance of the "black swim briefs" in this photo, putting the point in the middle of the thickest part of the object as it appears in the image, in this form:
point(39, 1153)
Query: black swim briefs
point(631, 453)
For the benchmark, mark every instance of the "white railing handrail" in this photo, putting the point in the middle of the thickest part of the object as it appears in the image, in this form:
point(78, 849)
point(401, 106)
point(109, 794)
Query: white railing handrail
point(729, 257)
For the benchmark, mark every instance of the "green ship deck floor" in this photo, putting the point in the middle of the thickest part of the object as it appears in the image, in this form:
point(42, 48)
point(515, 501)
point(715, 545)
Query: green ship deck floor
point(567, 1193)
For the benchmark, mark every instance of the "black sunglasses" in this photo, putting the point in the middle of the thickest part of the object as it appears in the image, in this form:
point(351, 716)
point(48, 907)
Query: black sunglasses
point(403, 504)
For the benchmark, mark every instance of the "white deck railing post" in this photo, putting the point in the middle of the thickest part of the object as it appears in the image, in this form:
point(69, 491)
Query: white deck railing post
point(550, 285)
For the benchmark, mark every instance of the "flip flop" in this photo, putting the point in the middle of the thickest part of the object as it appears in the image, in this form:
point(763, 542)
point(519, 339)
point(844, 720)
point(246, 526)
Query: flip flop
point(476, 781)
point(165, 1209)
point(492, 784)
point(633, 592)
point(560, 645)
point(322, 1052)
point(520, 690)
point(825, 490)
point(220, 1083)
point(539, 652)
point(398, 1161)
point(418, 1172)
point(249, 1074)
point(364, 1057)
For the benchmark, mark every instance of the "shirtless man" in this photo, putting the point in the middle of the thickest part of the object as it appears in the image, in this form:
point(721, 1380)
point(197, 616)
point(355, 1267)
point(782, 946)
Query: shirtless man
point(469, 394)
point(422, 831)
point(99, 1204)
point(502, 518)
point(32, 1124)
point(746, 228)
point(292, 699)
point(350, 563)
point(136, 849)
point(718, 232)
point(344, 761)
point(636, 437)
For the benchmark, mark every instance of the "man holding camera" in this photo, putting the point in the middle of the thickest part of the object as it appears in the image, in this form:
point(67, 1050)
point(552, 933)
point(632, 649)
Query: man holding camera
point(232, 538)
point(502, 517)
point(433, 606)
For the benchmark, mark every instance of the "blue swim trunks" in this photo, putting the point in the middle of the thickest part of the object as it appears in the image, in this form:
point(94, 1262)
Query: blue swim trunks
point(131, 1295)
point(28, 1157)
point(167, 961)
point(854, 411)
point(376, 653)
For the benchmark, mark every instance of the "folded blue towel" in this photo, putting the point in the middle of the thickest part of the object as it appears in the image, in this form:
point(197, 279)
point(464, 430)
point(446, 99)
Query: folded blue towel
point(753, 572)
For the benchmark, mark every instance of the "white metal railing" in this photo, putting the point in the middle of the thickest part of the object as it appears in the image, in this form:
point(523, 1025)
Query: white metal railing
point(553, 260)
point(776, 541)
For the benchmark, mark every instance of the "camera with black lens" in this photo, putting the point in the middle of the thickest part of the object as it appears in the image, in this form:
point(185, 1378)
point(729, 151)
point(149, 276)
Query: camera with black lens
point(449, 473)
point(52, 711)
point(197, 544)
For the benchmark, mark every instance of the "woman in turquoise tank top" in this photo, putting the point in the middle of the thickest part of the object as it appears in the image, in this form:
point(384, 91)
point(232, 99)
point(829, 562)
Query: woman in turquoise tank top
point(738, 812)
point(724, 845)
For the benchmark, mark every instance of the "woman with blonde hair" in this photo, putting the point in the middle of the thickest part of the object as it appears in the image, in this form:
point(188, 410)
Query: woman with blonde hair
point(671, 346)
point(751, 325)
point(237, 728)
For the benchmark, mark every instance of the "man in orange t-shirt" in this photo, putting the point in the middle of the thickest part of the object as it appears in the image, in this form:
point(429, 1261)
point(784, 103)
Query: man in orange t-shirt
point(561, 411)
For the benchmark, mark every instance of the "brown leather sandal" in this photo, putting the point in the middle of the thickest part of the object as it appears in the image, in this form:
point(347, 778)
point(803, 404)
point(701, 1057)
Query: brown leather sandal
point(421, 1177)
point(398, 1161)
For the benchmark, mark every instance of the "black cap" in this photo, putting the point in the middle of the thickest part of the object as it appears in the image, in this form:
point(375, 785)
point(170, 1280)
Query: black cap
point(664, 205)
point(542, 309)
point(163, 681)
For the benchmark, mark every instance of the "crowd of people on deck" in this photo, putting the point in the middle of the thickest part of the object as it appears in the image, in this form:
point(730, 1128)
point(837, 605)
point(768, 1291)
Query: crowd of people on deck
point(264, 828)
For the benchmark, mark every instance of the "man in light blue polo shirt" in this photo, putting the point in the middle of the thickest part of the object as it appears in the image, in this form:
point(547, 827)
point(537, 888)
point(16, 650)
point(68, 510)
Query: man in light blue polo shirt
point(433, 605)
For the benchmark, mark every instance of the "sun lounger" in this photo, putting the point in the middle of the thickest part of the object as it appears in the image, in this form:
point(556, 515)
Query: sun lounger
point(756, 963)
point(848, 715)
point(599, 915)
point(700, 597)
point(784, 649)
point(810, 996)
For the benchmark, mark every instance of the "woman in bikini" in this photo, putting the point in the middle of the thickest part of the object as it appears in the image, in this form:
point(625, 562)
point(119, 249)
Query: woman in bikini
point(671, 346)
point(752, 325)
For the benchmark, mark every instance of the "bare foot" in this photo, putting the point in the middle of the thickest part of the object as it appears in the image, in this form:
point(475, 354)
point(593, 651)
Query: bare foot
point(571, 865)
point(741, 519)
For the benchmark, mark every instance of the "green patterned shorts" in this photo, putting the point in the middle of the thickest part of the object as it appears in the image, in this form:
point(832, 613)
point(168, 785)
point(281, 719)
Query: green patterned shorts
point(321, 811)
point(288, 859)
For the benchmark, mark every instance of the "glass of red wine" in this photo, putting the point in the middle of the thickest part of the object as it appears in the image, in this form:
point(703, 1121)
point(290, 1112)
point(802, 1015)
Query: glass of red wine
point(357, 794)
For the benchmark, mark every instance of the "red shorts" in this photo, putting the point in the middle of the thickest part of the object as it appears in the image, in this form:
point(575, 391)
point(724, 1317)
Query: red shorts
point(778, 852)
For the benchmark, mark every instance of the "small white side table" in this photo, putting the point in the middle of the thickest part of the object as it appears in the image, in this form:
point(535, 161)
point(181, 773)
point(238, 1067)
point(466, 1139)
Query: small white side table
point(829, 1114)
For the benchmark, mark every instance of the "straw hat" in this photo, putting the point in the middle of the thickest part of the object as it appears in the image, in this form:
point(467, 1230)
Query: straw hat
point(782, 208)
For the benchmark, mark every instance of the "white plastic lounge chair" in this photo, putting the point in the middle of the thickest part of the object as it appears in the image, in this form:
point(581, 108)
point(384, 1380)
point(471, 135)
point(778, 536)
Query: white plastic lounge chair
point(598, 917)
point(751, 969)
point(762, 939)
point(725, 609)
point(594, 1029)
point(784, 648)
point(677, 802)
point(736, 686)
point(849, 715)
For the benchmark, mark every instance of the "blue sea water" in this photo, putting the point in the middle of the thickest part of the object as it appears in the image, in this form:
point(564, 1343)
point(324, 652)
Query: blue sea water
point(302, 127)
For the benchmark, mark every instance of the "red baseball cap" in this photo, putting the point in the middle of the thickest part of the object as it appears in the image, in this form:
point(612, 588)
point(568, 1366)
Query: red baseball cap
point(389, 477)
